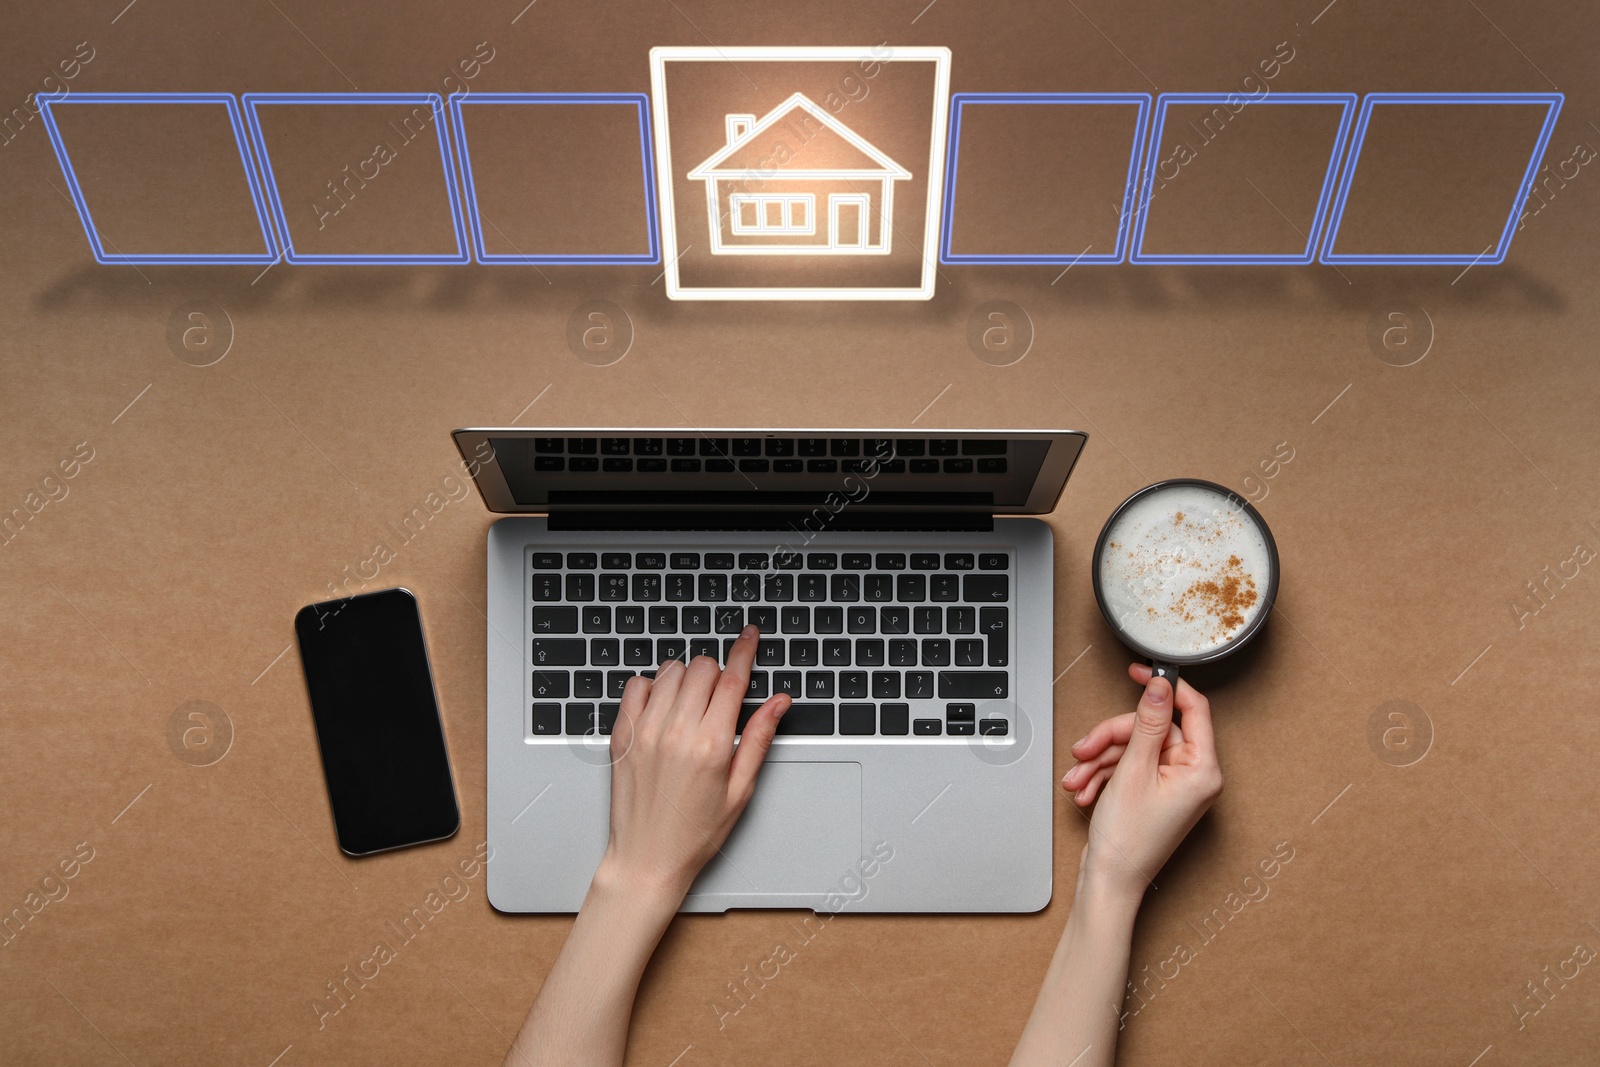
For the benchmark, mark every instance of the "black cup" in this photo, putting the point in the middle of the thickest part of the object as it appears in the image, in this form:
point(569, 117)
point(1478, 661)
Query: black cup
point(1163, 665)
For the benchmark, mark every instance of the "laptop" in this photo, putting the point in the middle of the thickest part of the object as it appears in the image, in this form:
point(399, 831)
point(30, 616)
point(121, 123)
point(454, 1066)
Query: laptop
point(905, 603)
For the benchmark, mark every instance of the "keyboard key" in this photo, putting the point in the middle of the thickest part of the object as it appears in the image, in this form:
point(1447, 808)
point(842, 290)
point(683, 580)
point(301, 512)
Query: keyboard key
point(685, 561)
point(680, 446)
point(822, 561)
point(763, 619)
point(753, 561)
point(977, 588)
point(729, 620)
point(780, 446)
point(869, 651)
point(812, 446)
point(919, 685)
point(927, 727)
point(788, 561)
point(605, 652)
point(891, 561)
point(829, 620)
point(796, 620)
point(995, 623)
point(959, 729)
point(911, 588)
point(846, 588)
point(703, 646)
point(975, 685)
point(663, 620)
point(583, 446)
point(746, 587)
point(547, 561)
point(555, 620)
point(651, 561)
point(991, 466)
point(846, 446)
point(558, 651)
point(549, 444)
point(958, 466)
point(969, 653)
point(630, 620)
point(836, 652)
point(856, 561)
point(928, 620)
point(943, 447)
point(924, 561)
point(819, 685)
point(961, 620)
point(789, 683)
point(852, 685)
point(877, 588)
point(616, 561)
point(613, 587)
point(652, 466)
point(754, 466)
point(637, 653)
point(746, 446)
point(960, 712)
point(895, 620)
point(648, 446)
point(552, 685)
point(616, 682)
point(549, 463)
point(992, 561)
point(758, 685)
point(713, 587)
point(862, 620)
point(924, 466)
point(902, 652)
point(713, 446)
point(813, 588)
point(606, 716)
point(720, 466)
point(546, 719)
point(822, 466)
point(597, 620)
point(885, 685)
point(582, 561)
point(580, 719)
point(894, 719)
point(769, 652)
point(680, 587)
point(588, 684)
point(719, 561)
point(671, 648)
point(958, 561)
point(993, 726)
point(778, 588)
point(580, 587)
point(614, 446)
point(810, 719)
point(944, 587)
point(858, 719)
point(696, 620)
point(647, 587)
point(936, 652)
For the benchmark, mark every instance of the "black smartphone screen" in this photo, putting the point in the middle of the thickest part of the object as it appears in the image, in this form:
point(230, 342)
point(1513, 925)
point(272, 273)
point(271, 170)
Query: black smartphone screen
point(377, 720)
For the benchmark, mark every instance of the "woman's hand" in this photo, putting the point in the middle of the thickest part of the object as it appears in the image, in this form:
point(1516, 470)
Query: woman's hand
point(678, 781)
point(1154, 781)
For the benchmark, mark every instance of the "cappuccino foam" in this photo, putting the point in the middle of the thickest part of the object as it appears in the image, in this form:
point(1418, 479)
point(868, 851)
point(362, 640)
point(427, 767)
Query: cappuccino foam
point(1184, 570)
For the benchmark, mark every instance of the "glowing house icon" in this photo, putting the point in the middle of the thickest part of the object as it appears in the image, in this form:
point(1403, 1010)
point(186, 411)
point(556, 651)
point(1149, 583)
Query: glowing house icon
point(798, 181)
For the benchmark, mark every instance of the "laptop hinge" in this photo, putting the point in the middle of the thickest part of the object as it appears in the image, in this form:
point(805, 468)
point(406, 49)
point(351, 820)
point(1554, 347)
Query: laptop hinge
point(801, 523)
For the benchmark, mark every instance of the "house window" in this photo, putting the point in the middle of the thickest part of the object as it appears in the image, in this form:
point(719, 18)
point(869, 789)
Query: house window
point(773, 214)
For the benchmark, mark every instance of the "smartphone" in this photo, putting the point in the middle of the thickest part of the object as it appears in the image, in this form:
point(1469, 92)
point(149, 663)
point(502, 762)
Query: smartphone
point(377, 720)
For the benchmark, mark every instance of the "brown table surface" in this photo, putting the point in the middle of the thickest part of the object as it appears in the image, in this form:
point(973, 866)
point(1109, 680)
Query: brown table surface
point(1422, 903)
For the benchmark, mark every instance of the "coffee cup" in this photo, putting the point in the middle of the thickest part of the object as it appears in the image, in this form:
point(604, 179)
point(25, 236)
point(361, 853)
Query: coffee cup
point(1185, 572)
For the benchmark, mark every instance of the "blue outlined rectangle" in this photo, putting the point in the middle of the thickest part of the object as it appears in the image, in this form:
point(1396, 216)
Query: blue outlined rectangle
point(46, 102)
point(1497, 254)
point(253, 101)
point(959, 100)
point(1346, 103)
point(647, 152)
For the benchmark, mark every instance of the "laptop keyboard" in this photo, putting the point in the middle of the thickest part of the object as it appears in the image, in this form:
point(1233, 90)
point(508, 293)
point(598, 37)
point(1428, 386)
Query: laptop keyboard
point(867, 643)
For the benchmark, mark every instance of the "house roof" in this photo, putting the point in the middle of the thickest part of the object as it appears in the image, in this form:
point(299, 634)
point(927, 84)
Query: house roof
point(754, 149)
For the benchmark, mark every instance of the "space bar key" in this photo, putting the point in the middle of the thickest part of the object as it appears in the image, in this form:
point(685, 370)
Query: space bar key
point(973, 685)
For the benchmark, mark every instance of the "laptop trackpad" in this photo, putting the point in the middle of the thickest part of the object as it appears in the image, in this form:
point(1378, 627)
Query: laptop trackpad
point(800, 834)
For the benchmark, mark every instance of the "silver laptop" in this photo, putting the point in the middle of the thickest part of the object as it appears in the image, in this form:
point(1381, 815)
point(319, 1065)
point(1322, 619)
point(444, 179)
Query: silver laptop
point(902, 602)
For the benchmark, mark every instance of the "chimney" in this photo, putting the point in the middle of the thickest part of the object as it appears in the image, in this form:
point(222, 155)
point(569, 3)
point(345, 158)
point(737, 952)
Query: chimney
point(738, 126)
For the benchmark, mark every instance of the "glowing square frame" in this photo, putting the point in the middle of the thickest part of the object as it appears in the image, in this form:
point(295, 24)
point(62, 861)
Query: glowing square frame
point(1553, 102)
point(646, 153)
point(959, 100)
point(938, 55)
point(47, 101)
point(1346, 103)
point(252, 101)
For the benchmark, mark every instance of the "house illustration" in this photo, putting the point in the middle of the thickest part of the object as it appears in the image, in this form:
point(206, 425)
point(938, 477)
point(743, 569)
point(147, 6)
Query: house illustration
point(797, 181)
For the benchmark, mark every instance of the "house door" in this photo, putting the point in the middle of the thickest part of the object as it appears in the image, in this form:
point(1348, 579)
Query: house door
point(847, 220)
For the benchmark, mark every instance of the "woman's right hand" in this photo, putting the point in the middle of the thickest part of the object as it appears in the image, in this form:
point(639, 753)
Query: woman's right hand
point(1154, 781)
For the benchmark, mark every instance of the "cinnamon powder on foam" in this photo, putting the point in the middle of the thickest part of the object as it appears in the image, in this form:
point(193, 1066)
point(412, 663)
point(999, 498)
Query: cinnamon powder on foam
point(1224, 595)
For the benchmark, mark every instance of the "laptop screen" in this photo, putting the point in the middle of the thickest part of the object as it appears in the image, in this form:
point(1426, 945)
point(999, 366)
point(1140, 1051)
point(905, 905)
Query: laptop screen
point(936, 471)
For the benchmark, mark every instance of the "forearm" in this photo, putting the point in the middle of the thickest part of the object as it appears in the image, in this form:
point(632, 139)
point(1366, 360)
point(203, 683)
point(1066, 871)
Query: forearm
point(582, 1012)
point(1076, 1017)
